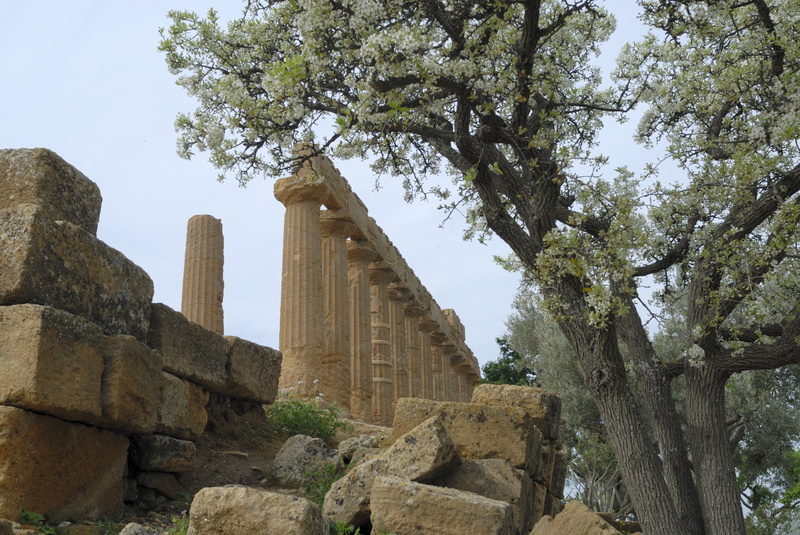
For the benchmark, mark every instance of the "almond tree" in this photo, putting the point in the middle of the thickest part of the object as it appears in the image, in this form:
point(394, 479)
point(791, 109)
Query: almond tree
point(506, 94)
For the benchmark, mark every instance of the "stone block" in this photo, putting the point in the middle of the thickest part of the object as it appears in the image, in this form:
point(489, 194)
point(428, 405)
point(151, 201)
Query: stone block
point(62, 470)
point(558, 481)
point(405, 508)
point(59, 264)
point(131, 385)
point(422, 454)
point(163, 482)
point(478, 431)
point(240, 510)
point(41, 177)
point(498, 480)
point(543, 406)
point(159, 453)
point(545, 473)
point(299, 456)
point(50, 362)
point(575, 519)
point(6, 527)
point(252, 371)
point(190, 351)
point(181, 411)
point(539, 497)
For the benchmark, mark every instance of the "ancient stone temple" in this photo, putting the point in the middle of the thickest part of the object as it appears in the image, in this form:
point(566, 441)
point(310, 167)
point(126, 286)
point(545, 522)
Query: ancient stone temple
point(357, 325)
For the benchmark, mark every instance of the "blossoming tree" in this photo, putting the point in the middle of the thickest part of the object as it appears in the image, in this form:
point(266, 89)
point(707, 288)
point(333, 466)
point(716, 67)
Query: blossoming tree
point(506, 95)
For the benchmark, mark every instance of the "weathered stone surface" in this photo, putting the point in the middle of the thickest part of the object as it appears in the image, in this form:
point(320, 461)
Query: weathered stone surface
point(575, 519)
point(181, 411)
point(543, 406)
point(405, 508)
point(349, 447)
point(498, 480)
point(159, 453)
point(552, 505)
point(422, 454)
point(539, 497)
point(559, 477)
point(238, 510)
point(545, 472)
point(478, 431)
point(6, 527)
point(203, 284)
point(59, 264)
point(163, 482)
point(299, 456)
point(130, 386)
point(189, 350)
point(135, 529)
point(50, 362)
point(252, 371)
point(41, 177)
point(59, 469)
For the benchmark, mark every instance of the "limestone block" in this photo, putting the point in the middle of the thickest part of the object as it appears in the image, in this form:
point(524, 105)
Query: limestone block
point(575, 519)
point(239, 510)
point(59, 469)
point(181, 411)
point(478, 431)
point(59, 264)
point(498, 480)
point(130, 387)
point(6, 527)
point(189, 350)
point(539, 497)
point(41, 177)
point(422, 454)
point(164, 482)
point(50, 362)
point(299, 456)
point(349, 447)
point(543, 406)
point(552, 505)
point(405, 508)
point(252, 371)
point(559, 478)
point(159, 453)
point(545, 472)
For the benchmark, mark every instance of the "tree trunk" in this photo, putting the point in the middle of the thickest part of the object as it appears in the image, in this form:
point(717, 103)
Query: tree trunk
point(713, 463)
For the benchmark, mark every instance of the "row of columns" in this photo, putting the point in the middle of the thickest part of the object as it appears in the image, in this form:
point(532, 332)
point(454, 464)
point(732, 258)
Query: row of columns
point(351, 330)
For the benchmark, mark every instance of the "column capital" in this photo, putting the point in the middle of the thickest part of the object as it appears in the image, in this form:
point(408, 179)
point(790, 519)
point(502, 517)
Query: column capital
point(335, 224)
point(399, 292)
point(427, 325)
point(380, 272)
point(294, 190)
point(360, 251)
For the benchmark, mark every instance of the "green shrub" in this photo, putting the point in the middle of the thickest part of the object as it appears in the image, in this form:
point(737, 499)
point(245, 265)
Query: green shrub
point(37, 520)
point(295, 416)
point(317, 483)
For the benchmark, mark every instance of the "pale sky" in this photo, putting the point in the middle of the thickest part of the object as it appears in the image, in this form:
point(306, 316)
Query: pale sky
point(84, 79)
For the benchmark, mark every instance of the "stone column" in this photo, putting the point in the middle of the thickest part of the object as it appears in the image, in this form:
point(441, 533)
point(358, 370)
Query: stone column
point(336, 304)
point(398, 295)
point(202, 273)
point(455, 384)
point(413, 312)
point(382, 385)
point(437, 365)
point(359, 255)
point(302, 325)
point(426, 327)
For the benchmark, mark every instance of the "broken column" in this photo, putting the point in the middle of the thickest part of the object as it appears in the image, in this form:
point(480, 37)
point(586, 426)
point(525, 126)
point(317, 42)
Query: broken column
point(202, 273)
point(302, 325)
point(336, 349)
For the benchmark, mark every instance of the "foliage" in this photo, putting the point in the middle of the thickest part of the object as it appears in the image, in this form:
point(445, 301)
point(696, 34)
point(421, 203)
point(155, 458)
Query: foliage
point(317, 483)
point(37, 520)
point(298, 416)
point(509, 369)
point(180, 524)
point(509, 96)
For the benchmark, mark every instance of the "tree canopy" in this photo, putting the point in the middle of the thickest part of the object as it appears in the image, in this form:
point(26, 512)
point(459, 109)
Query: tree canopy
point(508, 95)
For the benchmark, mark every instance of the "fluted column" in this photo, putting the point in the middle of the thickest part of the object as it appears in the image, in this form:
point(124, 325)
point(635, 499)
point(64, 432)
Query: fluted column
point(426, 327)
point(359, 255)
point(302, 321)
point(203, 282)
point(398, 295)
point(455, 385)
point(336, 304)
point(382, 385)
point(413, 312)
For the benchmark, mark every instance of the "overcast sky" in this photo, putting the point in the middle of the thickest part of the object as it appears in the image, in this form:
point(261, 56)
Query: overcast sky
point(84, 79)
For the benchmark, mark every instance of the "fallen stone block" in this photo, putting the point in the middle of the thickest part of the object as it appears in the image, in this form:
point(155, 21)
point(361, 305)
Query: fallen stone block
point(181, 410)
point(62, 470)
point(422, 454)
point(575, 519)
point(478, 431)
point(130, 386)
point(252, 371)
point(299, 456)
point(190, 351)
point(59, 264)
point(41, 177)
point(543, 406)
point(498, 480)
point(239, 510)
point(50, 362)
point(404, 508)
point(159, 453)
